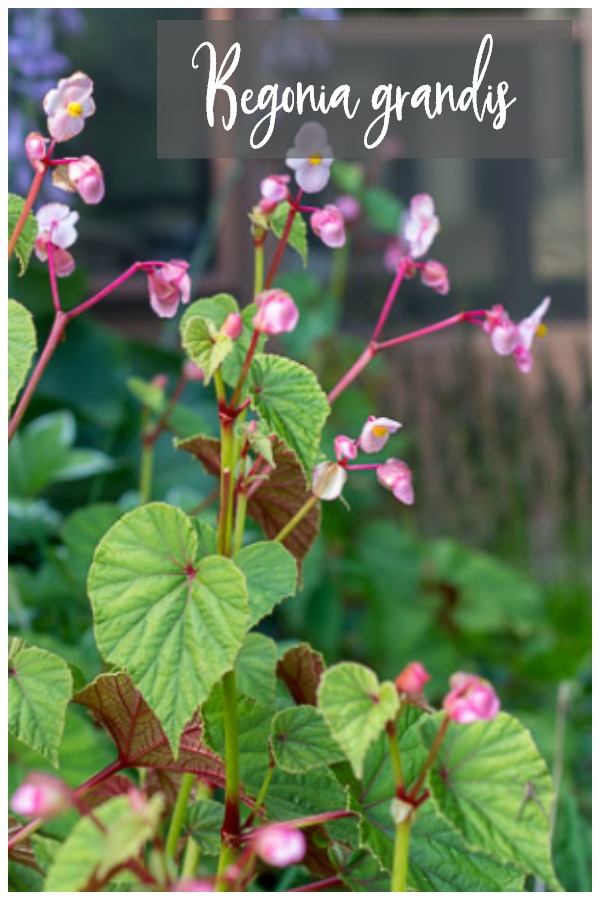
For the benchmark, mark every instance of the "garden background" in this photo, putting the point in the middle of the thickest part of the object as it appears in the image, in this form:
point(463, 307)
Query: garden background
point(490, 569)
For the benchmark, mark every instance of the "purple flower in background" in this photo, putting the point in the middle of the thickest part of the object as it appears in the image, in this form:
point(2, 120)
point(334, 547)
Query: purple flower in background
point(321, 15)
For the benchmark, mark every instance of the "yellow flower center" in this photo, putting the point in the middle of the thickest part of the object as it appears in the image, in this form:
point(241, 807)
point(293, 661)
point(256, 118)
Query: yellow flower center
point(74, 109)
point(315, 160)
point(541, 330)
point(380, 431)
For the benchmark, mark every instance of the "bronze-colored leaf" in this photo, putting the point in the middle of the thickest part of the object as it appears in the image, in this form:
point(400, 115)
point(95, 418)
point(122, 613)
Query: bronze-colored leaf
point(300, 669)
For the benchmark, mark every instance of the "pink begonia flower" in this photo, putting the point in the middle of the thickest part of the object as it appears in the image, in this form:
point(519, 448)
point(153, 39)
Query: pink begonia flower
point(435, 275)
point(419, 225)
point(508, 338)
point(274, 189)
point(233, 326)
point(35, 148)
point(192, 372)
point(56, 226)
point(413, 679)
point(328, 480)
point(202, 884)
point(276, 313)
point(169, 285)
point(349, 207)
point(328, 225)
point(376, 432)
point(396, 476)
point(470, 699)
point(311, 158)
point(41, 796)
point(345, 447)
point(87, 179)
point(68, 105)
point(279, 845)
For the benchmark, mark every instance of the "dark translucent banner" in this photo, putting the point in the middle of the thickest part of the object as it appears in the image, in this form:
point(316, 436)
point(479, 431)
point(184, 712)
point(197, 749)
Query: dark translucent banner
point(437, 88)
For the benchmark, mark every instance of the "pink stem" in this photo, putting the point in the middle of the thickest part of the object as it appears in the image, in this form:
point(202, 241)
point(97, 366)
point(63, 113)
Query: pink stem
point(361, 363)
point(431, 329)
point(245, 369)
point(52, 276)
point(308, 821)
point(30, 199)
point(333, 881)
point(136, 267)
point(389, 300)
point(283, 242)
point(361, 467)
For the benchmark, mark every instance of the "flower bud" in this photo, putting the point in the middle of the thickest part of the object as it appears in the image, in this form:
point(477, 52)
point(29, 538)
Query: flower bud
point(328, 224)
point(192, 372)
point(413, 679)
point(396, 476)
point(279, 845)
point(161, 381)
point(168, 285)
point(274, 189)
point(345, 447)
point(86, 176)
point(41, 796)
point(276, 313)
point(35, 148)
point(232, 326)
point(435, 275)
point(328, 480)
point(471, 699)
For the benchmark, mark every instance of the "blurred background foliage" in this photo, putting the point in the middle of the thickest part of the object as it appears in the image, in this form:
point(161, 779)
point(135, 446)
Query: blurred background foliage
point(489, 571)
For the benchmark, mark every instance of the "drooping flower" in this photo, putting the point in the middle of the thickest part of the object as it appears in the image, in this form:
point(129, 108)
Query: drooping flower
point(274, 189)
point(277, 313)
point(435, 275)
point(396, 476)
point(169, 285)
point(328, 225)
point(68, 106)
point(345, 447)
point(376, 432)
point(508, 337)
point(413, 679)
point(35, 148)
point(85, 176)
point(471, 699)
point(56, 226)
point(232, 326)
point(419, 225)
point(279, 845)
point(41, 796)
point(311, 158)
point(328, 480)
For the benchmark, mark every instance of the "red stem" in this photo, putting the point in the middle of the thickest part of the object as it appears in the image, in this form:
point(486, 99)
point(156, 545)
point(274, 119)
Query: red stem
point(245, 369)
point(431, 758)
point(30, 200)
point(333, 881)
point(283, 241)
point(389, 300)
point(308, 821)
point(52, 276)
point(136, 267)
point(353, 372)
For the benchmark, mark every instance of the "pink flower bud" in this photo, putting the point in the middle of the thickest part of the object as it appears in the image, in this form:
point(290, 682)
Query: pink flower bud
point(328, 480)
point(168, 285)
point(349, 207)
point(274, 189)
point(470, 699)
point(376, 432)
point(35, 148)
point(420, 225)
point(413, 679)
point(86, 176)
point(435, 275)
point(265, 207)
point(277, 312)
point(396, 476)
point(328, 224)
point(192, 372)
point(345, 447)
point(41, 796)
point(280, 846)
point(202, 884)
point(232, 326)
point(160, 381)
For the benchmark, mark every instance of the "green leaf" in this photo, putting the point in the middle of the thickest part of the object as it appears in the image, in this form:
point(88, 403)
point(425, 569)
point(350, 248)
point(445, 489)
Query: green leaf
point(148, 393)
point(289, 400)
point(174, 620)
point(349, 177)
point(21, 347)
point(382, 210)
point(271, 576)
point(301, 741)
point(491, 785)
point(356, 708)
point(137, 734)
point(89, 854)
point(297, 237)
point(301, 669)
point(39, 690)
point(254, 722)
point(203, 822)
point(43, 454)
point(204, 345)
point(82, 532)
point(255, 668)
point(234, 362)
point(215, 308)
point(292, 796)
point(28, 235)
point(260, 442)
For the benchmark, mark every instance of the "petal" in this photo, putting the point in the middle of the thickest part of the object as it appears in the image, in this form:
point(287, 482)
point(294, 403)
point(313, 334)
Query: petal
point(505, 338)
point(63, 126)
point(312, 179)
point(51, 102)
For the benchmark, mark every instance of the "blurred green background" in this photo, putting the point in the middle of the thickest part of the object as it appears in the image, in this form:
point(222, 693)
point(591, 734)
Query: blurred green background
point(490, 570)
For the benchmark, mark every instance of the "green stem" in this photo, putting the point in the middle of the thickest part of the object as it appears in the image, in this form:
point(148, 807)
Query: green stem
point(240, 520)
point(339, 270)
point(260, 799)
point(231, 821)
point(178, 818)
point(303, 511)
point(190, 860)
point(259, 268)
point(146, 467)
point(400, 865)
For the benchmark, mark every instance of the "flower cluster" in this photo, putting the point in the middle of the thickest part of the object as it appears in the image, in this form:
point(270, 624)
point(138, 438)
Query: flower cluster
point(418, 229)
point(329, 477)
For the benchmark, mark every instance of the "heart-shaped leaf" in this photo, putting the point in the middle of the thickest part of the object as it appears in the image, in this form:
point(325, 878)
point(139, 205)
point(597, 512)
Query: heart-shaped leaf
point(300, 740)
point(271, 575)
